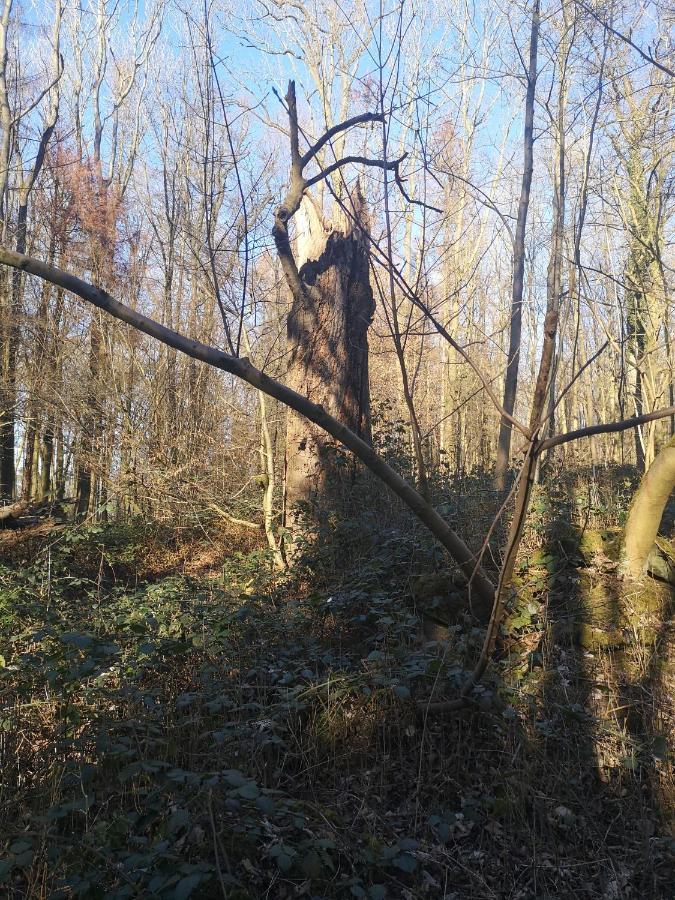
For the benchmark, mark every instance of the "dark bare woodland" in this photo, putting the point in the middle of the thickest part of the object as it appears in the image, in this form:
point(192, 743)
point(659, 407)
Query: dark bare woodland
point(337, 422)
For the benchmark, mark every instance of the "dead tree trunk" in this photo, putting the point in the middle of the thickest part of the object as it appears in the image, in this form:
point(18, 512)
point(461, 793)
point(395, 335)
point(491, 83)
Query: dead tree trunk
point(328, 345)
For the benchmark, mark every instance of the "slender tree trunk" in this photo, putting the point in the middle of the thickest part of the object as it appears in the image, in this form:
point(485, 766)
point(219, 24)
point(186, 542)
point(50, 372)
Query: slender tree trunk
point(60, 472)
point(29, 458)
point(46, 453)
point(267, 459)
point(8, 430)
point(554, 274)
point(86, 451)
point(670, 356)
point(515, 329)
point(8, 400)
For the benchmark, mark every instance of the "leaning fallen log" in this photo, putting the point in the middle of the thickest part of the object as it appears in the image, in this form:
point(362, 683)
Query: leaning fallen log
point(24, 513)
point(8, 514)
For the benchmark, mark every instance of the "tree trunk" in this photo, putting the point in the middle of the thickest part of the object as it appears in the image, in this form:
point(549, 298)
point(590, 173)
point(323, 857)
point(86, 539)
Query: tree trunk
point(46, 452)
point(60, 467)
point(85, 488)
point(29, 458)
point(646, 511)
point(328, 344)
point(515, 328)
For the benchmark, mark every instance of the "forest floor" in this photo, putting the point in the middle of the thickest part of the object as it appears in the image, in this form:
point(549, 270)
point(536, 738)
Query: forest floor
point(177, 720)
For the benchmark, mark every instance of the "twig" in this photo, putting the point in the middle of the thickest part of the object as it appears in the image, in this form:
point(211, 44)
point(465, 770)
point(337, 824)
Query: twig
point(214, 834)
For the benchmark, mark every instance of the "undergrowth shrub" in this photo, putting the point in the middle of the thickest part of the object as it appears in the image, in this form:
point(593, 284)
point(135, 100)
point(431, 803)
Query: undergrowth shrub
point(147, 725)
point(238, 733)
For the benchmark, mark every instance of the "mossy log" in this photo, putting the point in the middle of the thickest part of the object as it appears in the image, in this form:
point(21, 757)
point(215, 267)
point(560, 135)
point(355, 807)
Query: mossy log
point(609, 611)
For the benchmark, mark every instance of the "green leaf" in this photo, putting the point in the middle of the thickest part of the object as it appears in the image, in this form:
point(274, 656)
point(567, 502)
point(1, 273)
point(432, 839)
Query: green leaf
point(249, 791)
point(405, 862)
point(20, 847)
point(265, 804)
point(283, 856)
point(76, 639)
point(408, 844)
point(156, 883)
point(234, 777)
point(6, 866)
point(177, 820)
point(520, 620)
point(186, 886)
point(312, 865)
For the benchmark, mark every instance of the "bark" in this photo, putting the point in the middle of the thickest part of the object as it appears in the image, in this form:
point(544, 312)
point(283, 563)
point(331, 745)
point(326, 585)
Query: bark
point(28, 180)
point(523, 491)
point(523, 496)
point(92, 462)
point(670, 356)
point(10, 350)
point(328, 343)
point(399, 337)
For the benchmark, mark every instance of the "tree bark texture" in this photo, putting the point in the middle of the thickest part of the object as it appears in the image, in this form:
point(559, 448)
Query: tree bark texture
point(328, 348)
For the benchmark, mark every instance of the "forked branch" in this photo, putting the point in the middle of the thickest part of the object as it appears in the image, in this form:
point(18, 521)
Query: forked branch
point(361, 119)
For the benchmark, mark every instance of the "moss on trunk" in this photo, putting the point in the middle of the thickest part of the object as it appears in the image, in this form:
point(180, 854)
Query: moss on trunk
point(645, 515)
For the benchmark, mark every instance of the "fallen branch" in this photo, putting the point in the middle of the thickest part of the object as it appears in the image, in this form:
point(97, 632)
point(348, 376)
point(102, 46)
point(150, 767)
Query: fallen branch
point(13, 510)
point(242, 368)
point(233, 519)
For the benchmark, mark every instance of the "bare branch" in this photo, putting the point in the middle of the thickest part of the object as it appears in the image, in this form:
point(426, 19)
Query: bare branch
point(337, 129)
point(626, 38)
point(607, 428)
point(22, 113)
point(399, 184)
point(357, 160)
